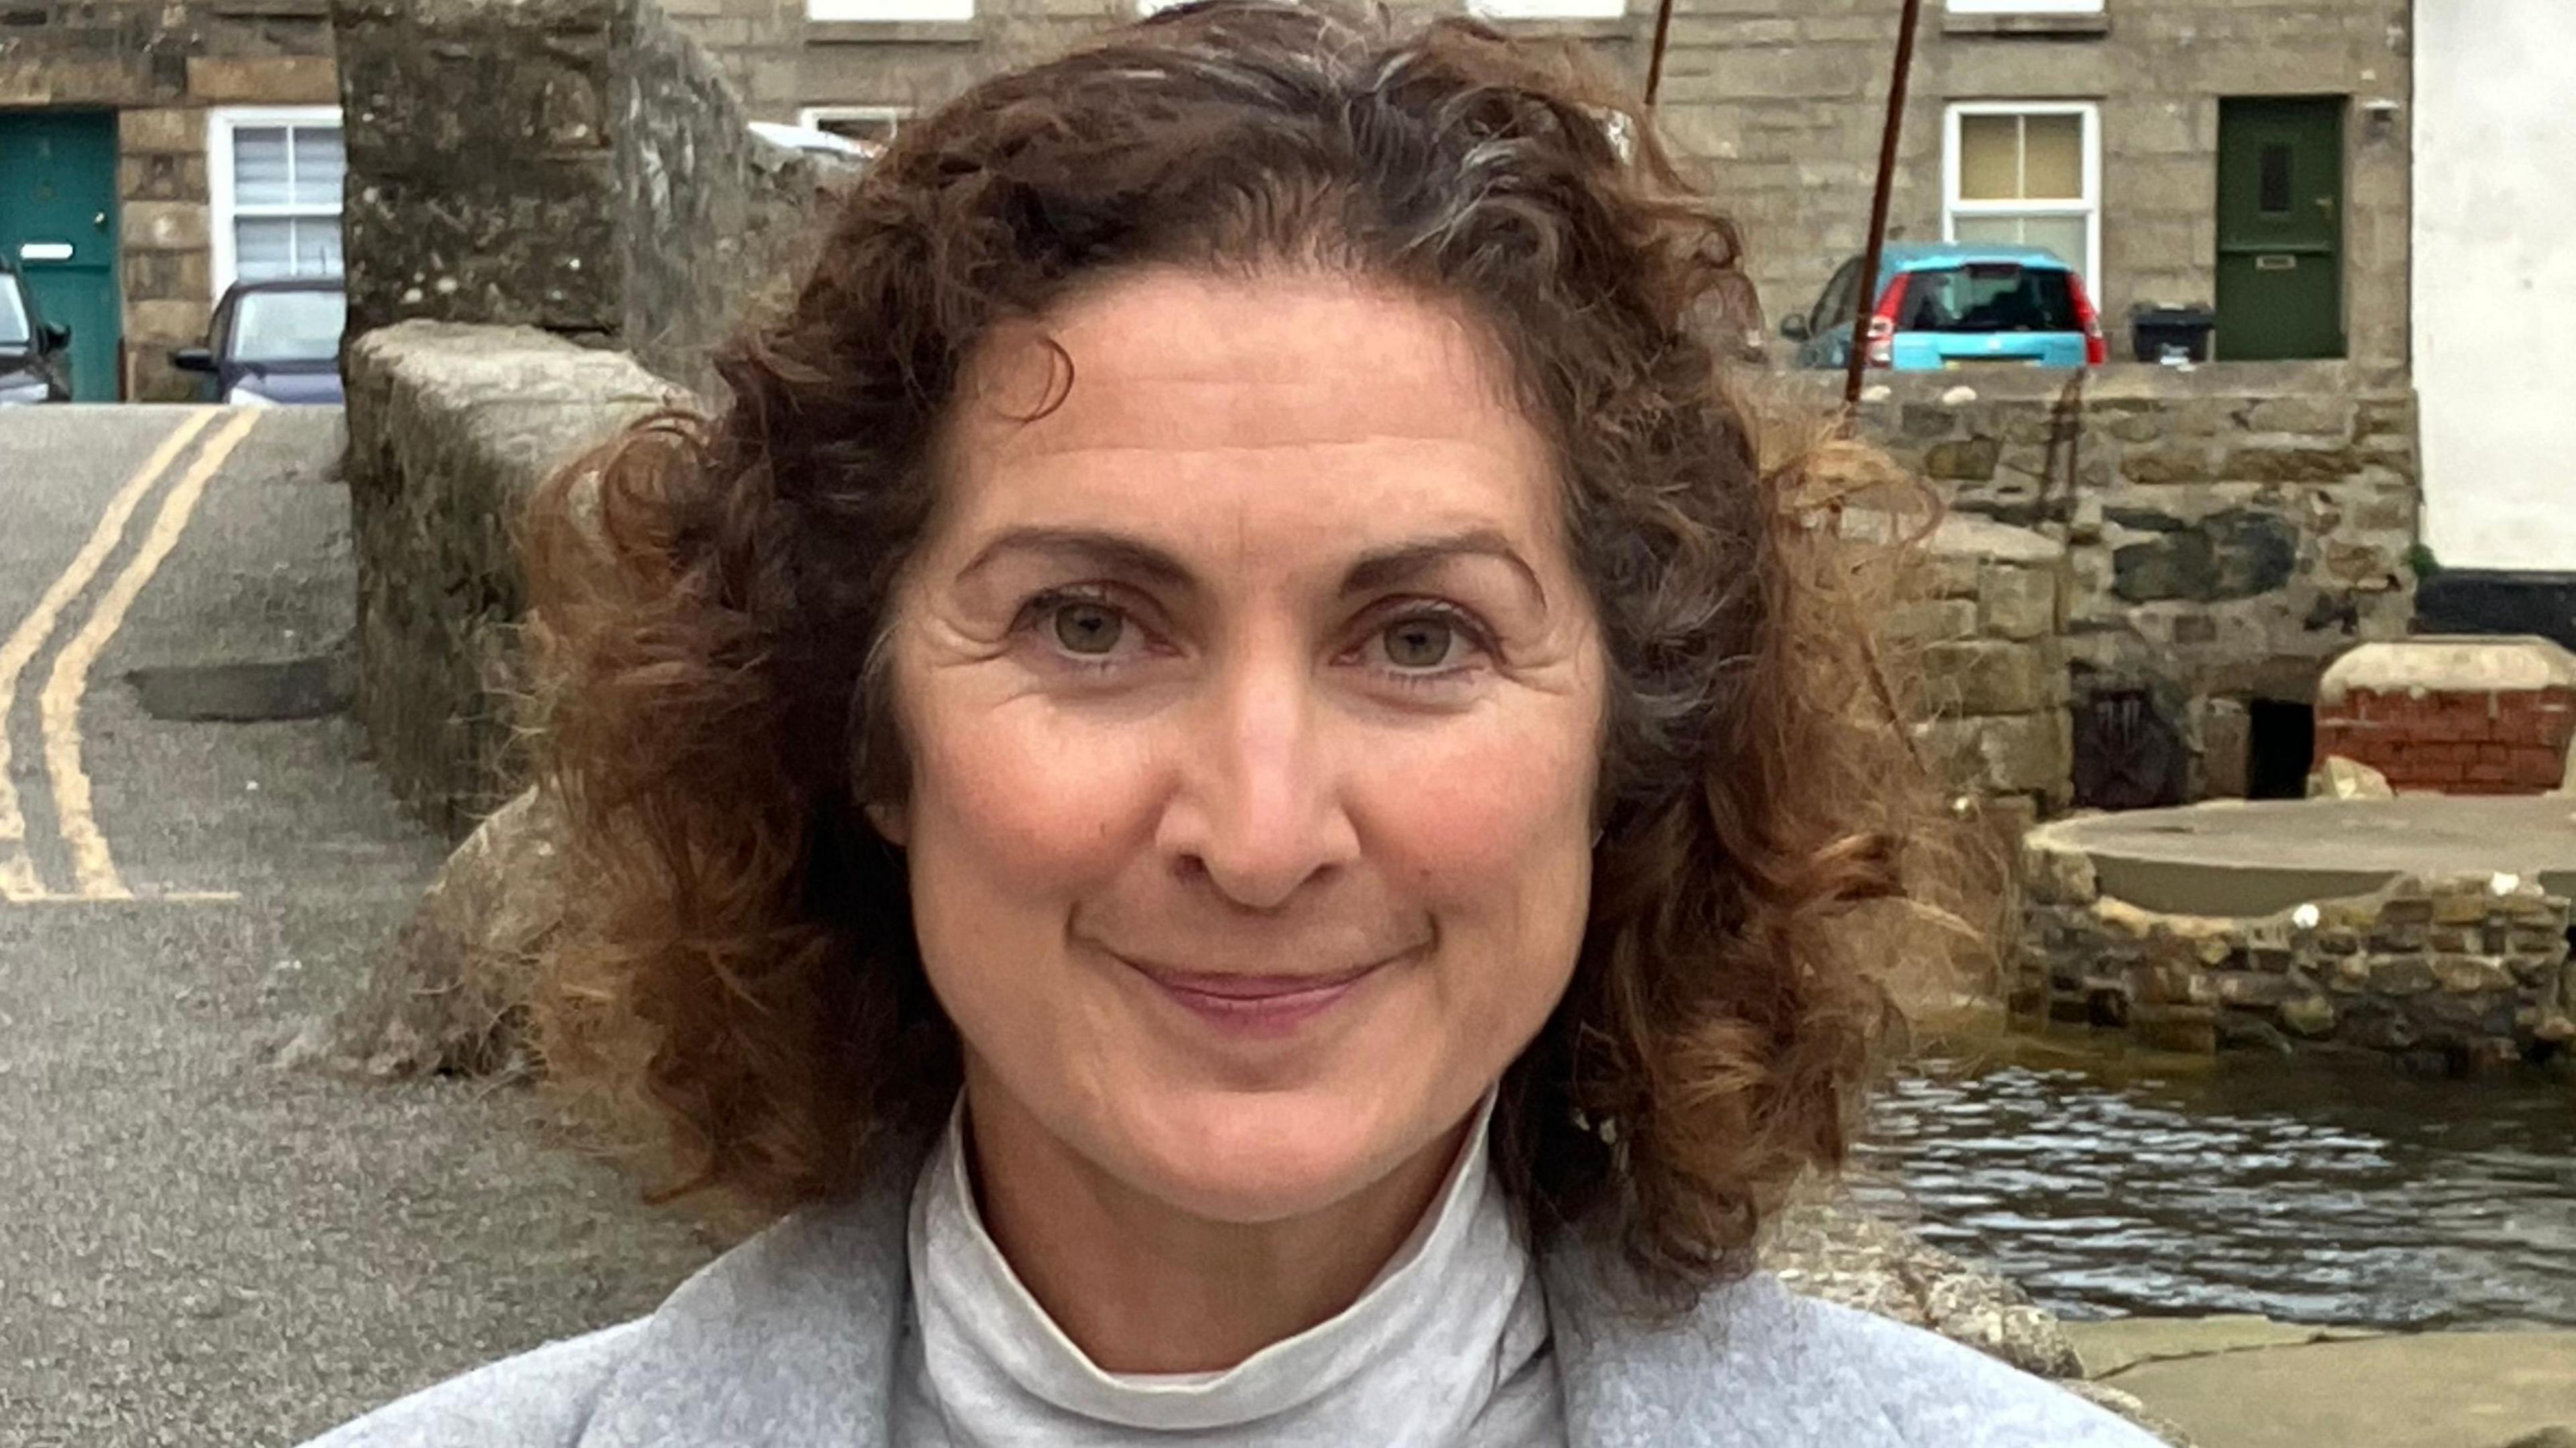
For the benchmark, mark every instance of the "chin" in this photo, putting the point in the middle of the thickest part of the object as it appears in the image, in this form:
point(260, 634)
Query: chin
point(1252, 1158)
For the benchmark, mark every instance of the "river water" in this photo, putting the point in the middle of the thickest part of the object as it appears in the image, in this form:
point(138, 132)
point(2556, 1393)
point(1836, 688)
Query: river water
point(2302, 1191)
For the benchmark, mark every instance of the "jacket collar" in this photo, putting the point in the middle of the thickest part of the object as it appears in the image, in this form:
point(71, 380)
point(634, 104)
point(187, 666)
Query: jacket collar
point(790, 1340)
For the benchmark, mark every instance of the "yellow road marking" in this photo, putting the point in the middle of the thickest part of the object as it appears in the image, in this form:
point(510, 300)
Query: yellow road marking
point(93, 866)
point(17, 870)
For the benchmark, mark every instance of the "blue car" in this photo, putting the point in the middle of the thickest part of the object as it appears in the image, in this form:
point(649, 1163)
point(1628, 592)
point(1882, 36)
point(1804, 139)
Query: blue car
point(273, 342)
point(1954, 305)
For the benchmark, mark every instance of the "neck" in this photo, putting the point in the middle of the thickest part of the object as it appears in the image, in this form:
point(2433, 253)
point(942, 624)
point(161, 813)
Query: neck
point(1142, 1286)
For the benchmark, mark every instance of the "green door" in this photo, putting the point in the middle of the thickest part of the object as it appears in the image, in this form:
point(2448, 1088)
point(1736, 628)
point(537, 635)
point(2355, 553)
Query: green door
point(58, 226)
point(2280, 229)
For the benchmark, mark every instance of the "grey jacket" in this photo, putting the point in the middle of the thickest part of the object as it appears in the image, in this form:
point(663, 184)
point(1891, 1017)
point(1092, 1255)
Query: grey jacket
point(789, 1341)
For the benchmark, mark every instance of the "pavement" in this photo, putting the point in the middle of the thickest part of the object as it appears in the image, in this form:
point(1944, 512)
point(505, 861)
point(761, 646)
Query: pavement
point(196, 1247)
point(2241, 1382)
point(2232, 857)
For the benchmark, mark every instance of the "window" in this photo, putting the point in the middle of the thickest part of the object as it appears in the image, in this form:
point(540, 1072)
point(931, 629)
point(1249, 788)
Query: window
point(2026, 174)
point(2025, 7)
point(274, 175)
point(1840, 303)
point(869, 127)
point(890, 9)
point(1548, 9)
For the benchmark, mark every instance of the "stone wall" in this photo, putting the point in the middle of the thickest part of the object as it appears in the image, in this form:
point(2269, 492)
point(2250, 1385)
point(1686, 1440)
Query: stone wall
point(711, 217)
point(1988, 621)
point(2462, 972)
point(449, 428)
point(160, 65)
point(2229, 531)
point(481, 184)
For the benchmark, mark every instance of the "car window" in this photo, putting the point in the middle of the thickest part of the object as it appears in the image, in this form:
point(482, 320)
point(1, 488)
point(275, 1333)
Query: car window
point(1988, 297)
point(290, 326)
point(1834, 309)
point(14, 328)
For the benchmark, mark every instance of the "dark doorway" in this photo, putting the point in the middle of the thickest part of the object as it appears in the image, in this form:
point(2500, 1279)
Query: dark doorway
point(2280, 228)
point(2280, 748)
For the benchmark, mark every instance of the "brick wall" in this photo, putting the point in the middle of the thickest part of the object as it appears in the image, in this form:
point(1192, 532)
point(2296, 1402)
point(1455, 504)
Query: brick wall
point(2493, 743)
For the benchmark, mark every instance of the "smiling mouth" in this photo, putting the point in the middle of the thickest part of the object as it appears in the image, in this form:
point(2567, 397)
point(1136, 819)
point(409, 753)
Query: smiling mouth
point(1257, 1006)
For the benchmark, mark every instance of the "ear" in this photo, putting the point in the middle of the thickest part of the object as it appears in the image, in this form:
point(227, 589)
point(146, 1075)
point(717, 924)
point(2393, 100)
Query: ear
point(888, 820)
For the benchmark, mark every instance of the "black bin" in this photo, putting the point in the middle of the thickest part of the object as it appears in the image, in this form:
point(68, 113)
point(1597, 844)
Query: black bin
point(2166, 333)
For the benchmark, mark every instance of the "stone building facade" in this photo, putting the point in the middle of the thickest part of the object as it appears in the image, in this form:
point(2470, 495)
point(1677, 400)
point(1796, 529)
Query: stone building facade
point(2114, 130)
point(157, 150)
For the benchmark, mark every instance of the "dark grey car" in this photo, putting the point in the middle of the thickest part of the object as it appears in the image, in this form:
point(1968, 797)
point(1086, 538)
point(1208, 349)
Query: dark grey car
point(275, 341)
point(35, 356)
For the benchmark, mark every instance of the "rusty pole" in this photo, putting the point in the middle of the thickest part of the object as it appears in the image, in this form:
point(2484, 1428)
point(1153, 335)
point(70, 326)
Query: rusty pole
point(1896, 84)
point(1655, 62)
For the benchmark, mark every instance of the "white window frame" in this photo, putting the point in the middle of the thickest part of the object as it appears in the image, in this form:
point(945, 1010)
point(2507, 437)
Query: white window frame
point(223, 210)
point(2025, 7)
point(1548, 9)
point(888, 11)
point(2090, 207)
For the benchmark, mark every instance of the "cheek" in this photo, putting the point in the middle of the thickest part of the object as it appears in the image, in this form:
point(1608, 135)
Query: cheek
point(1493, 826)
point(1022, 801)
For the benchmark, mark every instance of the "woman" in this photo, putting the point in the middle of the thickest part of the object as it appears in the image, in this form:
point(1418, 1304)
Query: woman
point(1229, 783)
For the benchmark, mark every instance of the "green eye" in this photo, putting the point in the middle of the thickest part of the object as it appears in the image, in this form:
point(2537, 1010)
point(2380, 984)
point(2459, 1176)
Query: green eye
point(1418, 643)
point(1088, 628)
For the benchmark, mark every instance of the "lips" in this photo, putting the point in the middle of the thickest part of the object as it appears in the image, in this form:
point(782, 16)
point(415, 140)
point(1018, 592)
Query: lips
point(1261, 1007)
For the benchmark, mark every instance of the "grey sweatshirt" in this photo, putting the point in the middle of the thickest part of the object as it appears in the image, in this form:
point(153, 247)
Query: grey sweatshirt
point(791, 1341)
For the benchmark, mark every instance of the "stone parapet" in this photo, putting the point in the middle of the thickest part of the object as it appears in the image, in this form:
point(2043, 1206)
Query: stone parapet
point(2458, 971)
point(1986, 617)
point(450, 427)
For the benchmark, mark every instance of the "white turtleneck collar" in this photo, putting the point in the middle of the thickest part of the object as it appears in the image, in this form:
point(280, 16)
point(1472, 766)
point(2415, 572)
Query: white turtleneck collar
point(1447, 1346)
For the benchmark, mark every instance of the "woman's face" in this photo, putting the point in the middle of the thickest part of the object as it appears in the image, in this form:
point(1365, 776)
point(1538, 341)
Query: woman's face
point(1255, 707)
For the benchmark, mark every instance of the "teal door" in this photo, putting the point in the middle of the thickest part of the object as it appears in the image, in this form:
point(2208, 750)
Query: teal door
point(2280, 229)
point(58, 227)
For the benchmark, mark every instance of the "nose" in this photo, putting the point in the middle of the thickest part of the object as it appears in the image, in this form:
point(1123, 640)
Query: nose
point(1258, 804)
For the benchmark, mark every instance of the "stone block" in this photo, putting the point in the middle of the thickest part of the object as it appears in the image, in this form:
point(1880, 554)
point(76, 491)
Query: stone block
point(2319, 416)
point(2401, 974)
point(1967, 460)
point(269, 80)
point(166, 130)
point(2177, 463)
point(2057, 875)
point(2290, 464)
point(2310, 1015)
point(167, 323)
point(161, 178)
point(2011, 754)
point(1989, 676)
point(2459, 974)
point(166, 225)
point(2189, 1029)
point(2018, 602)
point(1931, 620)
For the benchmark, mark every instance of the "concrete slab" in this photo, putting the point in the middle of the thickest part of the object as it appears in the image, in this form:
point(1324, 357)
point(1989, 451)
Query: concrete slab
point(2121, 1343)
point(2442, 1390)
point(2240, 859)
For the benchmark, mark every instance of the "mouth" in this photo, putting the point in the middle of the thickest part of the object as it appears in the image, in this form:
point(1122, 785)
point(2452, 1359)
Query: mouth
point(1261, 1006)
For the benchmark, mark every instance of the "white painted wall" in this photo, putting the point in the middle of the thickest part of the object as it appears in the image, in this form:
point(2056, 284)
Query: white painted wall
point(2495, 280)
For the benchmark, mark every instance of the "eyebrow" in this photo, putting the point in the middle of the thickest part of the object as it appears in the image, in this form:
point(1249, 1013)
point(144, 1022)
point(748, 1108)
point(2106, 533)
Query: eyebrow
point(1384, 567)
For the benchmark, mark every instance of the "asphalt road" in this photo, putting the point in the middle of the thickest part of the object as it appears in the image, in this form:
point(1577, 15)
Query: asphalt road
point(196, 1247)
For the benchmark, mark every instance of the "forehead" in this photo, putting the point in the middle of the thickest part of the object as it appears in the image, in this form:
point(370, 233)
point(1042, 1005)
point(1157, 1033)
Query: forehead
point(1277, 398)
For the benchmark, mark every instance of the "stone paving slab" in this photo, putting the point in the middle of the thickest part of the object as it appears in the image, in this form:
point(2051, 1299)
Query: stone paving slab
point(2440, 1390)
point(2122, 1343)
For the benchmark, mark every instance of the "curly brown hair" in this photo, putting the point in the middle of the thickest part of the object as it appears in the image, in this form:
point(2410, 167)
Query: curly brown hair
point(713, 602)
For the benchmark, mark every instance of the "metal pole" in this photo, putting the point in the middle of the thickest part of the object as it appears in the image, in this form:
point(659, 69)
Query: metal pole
point(1655, 63)
point(1878, 203)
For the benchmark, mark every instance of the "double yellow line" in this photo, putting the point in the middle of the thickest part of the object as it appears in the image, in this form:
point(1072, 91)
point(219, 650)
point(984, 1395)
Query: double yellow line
point(58, 705)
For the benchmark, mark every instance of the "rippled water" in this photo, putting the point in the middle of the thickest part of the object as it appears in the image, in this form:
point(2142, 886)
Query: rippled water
point(2349, 1196)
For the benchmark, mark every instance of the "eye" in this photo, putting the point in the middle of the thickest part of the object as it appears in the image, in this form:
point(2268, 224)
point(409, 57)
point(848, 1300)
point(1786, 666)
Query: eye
point(1085, 627)
point(1420, 642)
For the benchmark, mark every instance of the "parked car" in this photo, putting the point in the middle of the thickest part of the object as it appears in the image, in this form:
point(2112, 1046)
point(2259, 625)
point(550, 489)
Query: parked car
point(35, 356)
point(1956, 305)
point(274, 341)
point(813, 142)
